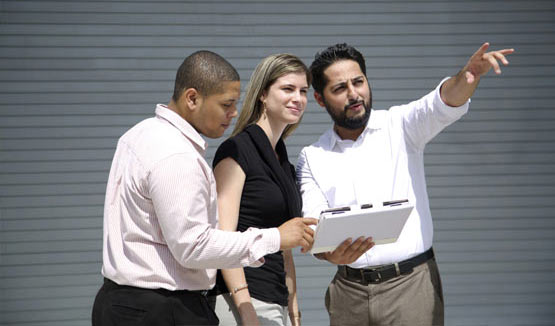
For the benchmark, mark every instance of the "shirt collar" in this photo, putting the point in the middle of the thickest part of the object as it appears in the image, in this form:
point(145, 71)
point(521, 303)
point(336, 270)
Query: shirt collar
point(370, 126)
point(162, 111)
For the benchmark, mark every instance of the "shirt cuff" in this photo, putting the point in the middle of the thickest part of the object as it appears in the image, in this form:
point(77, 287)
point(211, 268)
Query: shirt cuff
point(269, 242)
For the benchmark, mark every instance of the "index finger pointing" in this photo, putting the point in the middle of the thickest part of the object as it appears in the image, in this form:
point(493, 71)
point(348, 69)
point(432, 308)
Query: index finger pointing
point(482, 49)
point(507, 51)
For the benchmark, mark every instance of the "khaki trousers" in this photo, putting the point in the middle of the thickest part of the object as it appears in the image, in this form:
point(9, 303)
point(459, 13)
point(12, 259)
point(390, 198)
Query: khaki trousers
point(415, 299)
point(268, 313)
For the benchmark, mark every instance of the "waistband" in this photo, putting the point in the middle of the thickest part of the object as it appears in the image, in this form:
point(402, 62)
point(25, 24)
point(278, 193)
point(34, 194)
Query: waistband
point(383, 273)
point(109, 284)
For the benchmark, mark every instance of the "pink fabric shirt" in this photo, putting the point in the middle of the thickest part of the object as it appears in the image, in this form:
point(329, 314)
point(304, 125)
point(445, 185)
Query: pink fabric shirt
point(160, 212)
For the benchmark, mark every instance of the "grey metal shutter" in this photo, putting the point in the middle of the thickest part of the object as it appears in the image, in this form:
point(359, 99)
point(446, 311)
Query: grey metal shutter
point(74, 75)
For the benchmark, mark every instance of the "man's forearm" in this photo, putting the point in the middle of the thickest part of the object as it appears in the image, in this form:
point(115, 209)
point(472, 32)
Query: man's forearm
point(456, 90)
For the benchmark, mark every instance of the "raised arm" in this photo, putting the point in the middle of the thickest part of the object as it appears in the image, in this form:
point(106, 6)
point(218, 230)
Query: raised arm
point(458, 89)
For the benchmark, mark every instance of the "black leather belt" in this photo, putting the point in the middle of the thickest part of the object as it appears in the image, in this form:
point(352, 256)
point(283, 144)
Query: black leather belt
point(384, 273)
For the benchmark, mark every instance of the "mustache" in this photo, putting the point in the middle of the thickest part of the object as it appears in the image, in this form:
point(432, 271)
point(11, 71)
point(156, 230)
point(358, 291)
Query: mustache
point(356, 102)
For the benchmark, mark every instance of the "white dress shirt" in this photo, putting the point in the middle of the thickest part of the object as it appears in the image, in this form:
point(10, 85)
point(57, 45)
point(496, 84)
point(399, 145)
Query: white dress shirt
point(385, 163)
point(160, 213)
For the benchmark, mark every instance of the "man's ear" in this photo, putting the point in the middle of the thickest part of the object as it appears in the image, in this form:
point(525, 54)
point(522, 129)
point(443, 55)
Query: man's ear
point(318, 97)
point(191, 99)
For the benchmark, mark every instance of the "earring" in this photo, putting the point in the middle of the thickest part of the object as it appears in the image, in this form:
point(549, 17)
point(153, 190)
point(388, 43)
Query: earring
point(264, 110)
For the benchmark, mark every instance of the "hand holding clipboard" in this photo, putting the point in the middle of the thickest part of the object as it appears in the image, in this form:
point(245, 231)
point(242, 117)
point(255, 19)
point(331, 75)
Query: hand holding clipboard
point(383, 223)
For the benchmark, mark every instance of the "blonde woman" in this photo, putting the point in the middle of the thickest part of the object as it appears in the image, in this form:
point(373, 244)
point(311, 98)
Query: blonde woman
point(256, 188)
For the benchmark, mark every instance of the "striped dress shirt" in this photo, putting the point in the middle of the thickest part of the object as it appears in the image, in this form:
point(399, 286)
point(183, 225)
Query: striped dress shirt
point(160, 212)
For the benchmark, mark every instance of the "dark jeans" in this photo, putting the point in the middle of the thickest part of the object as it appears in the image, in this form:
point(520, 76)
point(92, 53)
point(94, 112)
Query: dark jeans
point(127, 305)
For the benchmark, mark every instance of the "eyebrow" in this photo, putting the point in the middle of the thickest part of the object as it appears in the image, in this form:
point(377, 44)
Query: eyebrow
point(344, 82)
point(292, 85)
point(287, 85)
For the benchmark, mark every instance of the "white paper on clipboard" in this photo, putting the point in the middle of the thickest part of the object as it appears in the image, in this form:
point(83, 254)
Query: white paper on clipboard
point(383, 223)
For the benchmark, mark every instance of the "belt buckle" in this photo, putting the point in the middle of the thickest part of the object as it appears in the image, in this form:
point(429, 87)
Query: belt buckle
point(398, 270)
point(370, 276)
point(375, 275)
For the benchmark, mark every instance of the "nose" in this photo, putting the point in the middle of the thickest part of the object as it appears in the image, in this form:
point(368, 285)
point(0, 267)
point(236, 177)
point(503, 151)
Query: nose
point(351, 92)
point(233, 113)
point(297, 97)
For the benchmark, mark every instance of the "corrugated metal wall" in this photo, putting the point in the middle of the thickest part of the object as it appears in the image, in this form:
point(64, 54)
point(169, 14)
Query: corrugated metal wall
point(74, 75)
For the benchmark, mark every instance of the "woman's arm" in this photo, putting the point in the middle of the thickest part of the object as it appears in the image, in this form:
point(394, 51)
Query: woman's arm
point(230, 179)
point(291, 281)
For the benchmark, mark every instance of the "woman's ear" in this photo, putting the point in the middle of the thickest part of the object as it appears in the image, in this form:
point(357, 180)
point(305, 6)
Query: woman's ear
point(263, 96)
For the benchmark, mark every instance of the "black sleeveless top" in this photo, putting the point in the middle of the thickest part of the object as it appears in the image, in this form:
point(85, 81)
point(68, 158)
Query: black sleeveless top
point(270, 197)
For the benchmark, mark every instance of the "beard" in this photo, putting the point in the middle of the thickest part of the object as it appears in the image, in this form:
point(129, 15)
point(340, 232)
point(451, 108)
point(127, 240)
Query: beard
point(340, 117)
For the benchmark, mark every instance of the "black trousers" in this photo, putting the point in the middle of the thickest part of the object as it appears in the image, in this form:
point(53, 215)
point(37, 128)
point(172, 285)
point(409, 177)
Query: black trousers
point(127, 305)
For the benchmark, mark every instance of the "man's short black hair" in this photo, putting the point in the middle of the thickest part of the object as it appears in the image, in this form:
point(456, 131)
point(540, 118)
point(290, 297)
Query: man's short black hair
point(326, 58)
point(204, 71)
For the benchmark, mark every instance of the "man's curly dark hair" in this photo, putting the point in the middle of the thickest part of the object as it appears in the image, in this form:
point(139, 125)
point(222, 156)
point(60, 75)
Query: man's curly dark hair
point(327, 57)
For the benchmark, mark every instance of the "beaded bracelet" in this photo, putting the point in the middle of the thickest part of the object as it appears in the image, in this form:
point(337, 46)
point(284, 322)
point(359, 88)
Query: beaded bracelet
point(239, 288)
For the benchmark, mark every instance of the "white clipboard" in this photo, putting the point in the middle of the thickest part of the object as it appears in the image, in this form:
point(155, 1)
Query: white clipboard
point(383, 223)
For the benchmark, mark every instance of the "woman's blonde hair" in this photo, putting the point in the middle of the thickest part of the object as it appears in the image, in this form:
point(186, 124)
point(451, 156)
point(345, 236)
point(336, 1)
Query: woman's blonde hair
point(265, 75)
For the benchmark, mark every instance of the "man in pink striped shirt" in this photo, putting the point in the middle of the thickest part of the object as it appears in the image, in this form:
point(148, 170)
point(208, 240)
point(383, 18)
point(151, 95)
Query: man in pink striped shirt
point(161, 246)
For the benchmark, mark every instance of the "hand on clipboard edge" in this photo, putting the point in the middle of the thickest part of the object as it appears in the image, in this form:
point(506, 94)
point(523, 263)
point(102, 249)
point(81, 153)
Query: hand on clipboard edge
point(347, 252)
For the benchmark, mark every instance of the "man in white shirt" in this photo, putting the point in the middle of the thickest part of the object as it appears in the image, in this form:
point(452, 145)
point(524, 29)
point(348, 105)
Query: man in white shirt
point(376, 156)
point(161, 246)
